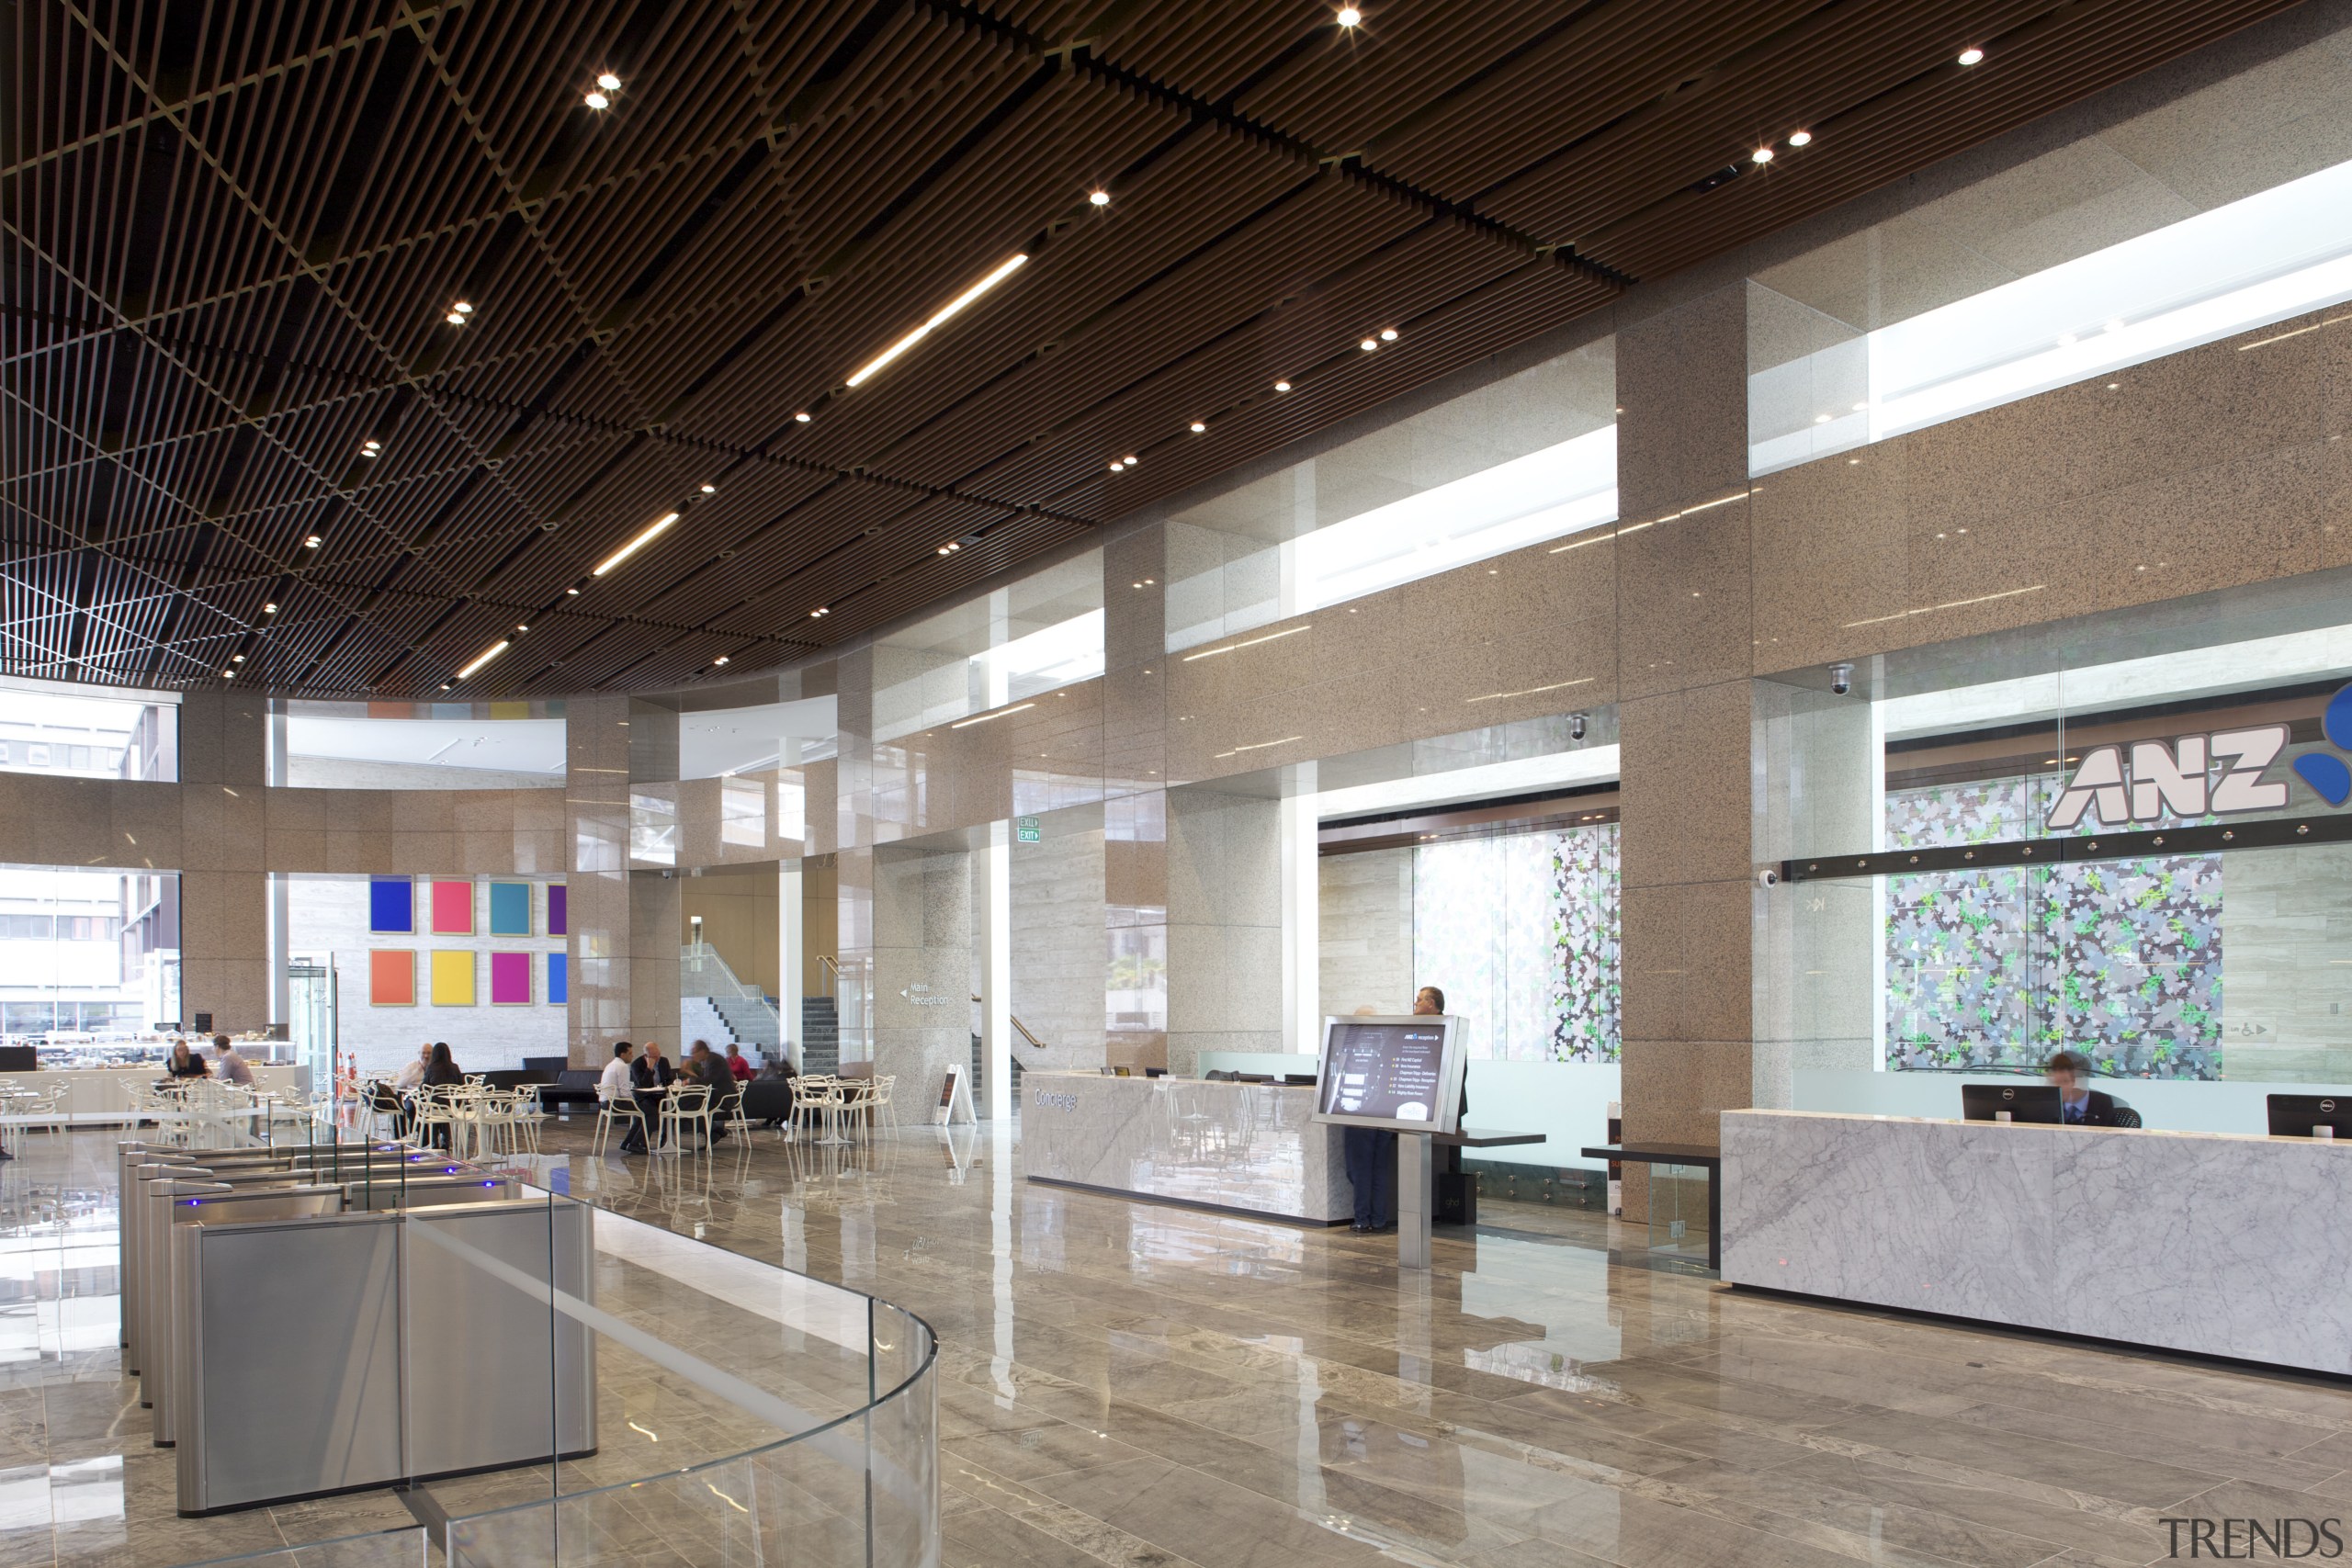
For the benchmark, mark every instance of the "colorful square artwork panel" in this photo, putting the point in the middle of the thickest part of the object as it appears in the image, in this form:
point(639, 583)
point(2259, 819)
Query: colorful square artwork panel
point(510, 979)
point(391, 979)
point(453, 908)
point(559, 978)
point(558, 910)
point(453, 979)
point(510, 909)
point(392, 904)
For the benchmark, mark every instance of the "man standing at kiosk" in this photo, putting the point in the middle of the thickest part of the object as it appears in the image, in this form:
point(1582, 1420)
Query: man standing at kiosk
point(1371, 1153)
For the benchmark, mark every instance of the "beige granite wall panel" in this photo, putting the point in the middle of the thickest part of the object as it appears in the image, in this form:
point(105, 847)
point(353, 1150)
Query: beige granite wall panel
point(1059, 951)
point(224, 948)
point(1366, 931)
point(2214, 467)
point(922, 951)
point(597, 876)
point(1685, 596)
point(1682, 391)
point(1224, 935)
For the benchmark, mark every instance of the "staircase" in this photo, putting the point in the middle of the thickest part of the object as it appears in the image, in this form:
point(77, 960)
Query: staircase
point(700, 1019)
point(715, 1004)
point(753, 1023)
point(821, 1035)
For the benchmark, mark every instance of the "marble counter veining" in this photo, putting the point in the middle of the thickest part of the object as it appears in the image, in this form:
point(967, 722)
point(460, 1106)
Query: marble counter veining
point(1249, 1147)
point(2218, 1244)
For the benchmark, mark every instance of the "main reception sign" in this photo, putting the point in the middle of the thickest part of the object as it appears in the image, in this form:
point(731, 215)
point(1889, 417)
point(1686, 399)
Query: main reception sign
point(2188, 775)
point(2216, 774)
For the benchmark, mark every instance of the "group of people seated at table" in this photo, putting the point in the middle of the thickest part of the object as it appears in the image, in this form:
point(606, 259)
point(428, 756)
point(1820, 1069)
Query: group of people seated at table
point(648, 1076)
point(186, 1064)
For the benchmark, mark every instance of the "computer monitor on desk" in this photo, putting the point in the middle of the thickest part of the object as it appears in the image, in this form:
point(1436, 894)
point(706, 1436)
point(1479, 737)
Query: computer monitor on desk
point(2020, 1101)
point(2302, 1115)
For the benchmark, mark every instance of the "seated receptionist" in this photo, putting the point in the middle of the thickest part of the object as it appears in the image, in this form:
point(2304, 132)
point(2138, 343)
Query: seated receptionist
point(2079, 1104)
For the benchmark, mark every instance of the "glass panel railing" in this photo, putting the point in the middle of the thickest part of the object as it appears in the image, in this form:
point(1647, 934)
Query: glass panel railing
point(510, 1356)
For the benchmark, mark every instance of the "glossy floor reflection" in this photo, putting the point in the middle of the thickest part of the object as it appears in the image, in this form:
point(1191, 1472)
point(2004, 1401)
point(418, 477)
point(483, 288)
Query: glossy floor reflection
point(81, 1481)
point(1130, 1384)
point(1137, 1385)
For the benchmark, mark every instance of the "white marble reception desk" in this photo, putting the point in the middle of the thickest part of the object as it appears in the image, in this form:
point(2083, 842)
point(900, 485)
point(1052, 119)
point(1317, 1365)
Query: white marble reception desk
point(1252, 1148)
point(2214, 1243)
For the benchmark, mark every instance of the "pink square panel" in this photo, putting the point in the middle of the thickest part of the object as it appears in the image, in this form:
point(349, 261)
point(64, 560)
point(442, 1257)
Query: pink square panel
point(453, 908)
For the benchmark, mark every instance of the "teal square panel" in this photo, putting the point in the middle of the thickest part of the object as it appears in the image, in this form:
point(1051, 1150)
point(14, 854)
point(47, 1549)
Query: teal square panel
point(510, 909)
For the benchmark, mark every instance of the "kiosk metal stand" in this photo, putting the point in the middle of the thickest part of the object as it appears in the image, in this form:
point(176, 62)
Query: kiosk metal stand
point(1413, 1184)
point(1412, 1199)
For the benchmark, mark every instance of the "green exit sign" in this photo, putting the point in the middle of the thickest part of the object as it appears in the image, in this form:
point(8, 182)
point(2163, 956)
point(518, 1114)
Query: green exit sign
point(1028, 829)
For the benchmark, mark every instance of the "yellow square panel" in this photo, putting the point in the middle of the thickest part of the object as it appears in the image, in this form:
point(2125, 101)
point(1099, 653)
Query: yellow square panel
point(453, 979)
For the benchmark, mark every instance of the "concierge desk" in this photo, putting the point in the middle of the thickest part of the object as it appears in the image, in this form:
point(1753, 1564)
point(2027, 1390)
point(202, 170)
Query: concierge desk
point(2213, 1243)
point(1241, 1148)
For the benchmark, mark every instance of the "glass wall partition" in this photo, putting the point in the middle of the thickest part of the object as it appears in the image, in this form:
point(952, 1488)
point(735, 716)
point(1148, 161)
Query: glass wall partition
point(336, 745)
point(89, 962)
point(1490, 870)
point(2054, 840)
point(1018, 642)
point(1529, 458)
point(88, 732)
point(2224, 211)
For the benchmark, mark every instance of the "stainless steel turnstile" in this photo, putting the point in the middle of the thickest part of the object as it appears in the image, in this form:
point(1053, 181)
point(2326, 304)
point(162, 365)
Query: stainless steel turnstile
point(324, 1354)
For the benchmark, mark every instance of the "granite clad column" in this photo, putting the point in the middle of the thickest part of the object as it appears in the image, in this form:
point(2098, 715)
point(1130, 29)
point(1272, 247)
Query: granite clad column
point(656, 900)
point(1225, 925)
point(1686, 652)
point(922, 967)
point(225, 956)
point(623, 944)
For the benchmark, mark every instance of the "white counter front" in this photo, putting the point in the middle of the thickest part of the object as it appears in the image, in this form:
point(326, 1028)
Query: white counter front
point(103, 1094)
point(2214, 1243)
point(1253, 1148)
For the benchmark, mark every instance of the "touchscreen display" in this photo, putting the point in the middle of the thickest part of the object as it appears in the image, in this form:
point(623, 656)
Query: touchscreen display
point(1390, 1071)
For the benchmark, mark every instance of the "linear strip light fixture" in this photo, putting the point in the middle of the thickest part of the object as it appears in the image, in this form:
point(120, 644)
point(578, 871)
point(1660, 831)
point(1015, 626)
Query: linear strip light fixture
point(1258, 746)
point(1532, 691)
point(1228, 648)
point(485, 656)
point(1951, 605)
point(968, 723)
point(635, 545)
point(1004, 269)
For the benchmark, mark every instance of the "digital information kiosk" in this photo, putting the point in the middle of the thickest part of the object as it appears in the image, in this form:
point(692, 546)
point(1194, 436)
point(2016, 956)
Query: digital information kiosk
point(1402, 1075)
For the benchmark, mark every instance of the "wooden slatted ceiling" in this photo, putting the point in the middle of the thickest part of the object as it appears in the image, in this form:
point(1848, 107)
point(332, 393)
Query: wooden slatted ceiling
point(233, 232)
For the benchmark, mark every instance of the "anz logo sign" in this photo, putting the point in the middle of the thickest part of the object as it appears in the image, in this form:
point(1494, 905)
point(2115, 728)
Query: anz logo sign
point(2220, 774)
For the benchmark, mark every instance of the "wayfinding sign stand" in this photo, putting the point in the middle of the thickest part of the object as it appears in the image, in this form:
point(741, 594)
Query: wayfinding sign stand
point(954, 1107)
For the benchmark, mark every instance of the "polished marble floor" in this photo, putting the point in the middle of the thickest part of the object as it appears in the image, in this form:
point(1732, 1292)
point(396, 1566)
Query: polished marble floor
point(1138, 1384)
point(1135, 1385)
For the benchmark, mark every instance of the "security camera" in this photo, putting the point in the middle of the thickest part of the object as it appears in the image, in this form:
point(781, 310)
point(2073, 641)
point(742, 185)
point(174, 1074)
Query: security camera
point(1768, 876)
point(1841, 679)
point(1576, 726)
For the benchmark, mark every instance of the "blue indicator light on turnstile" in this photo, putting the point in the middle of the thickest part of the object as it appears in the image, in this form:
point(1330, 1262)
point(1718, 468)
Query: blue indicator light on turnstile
point(449, 1171)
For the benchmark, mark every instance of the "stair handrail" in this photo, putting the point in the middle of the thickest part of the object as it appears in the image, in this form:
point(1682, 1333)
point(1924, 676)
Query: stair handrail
point(1021, 1029)
point(828, 975)
point(695, 959)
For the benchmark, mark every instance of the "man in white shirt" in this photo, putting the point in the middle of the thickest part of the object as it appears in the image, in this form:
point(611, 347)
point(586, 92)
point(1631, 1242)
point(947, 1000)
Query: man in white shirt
point(616, 1088)
point(409, 1080)
point(615, 1084)
point(230, 1066)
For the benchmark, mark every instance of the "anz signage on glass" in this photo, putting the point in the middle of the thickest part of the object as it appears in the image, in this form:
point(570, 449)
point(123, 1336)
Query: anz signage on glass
point(2220, 774)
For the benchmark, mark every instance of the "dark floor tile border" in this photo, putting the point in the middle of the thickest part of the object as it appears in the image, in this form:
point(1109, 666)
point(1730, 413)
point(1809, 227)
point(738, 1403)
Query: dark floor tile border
point(1299, 1219)
point(2271, 1370)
